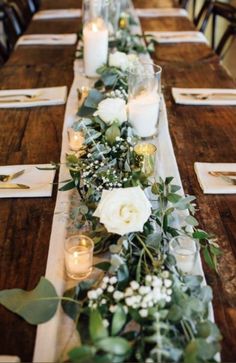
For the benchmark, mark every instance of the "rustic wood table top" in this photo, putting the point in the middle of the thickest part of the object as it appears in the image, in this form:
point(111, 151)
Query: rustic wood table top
point(34, 136)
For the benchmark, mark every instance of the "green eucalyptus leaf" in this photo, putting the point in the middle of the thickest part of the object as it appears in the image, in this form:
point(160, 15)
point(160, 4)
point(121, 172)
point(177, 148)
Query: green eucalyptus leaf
point(93, 99)
point(154, 240)
point(104, 266)
point(206, 295)
point(71, 308)
point(110, 78)
point(118, 321)
point(123, 275)
point(155, 188)
point(83, 354)
point(174, 188)
point(175, 313)
point(96, 327)
point(191, 220)
point(208, 258)
point(67, 186)
point(112, 133)
point(174, 198)
point(114, 345)
point(168, 180)
point(200, 235)
point(36, 306)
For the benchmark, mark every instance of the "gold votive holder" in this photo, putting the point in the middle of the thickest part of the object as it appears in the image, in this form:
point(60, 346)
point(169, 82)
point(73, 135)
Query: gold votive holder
point(145, 157)
point(79, 256)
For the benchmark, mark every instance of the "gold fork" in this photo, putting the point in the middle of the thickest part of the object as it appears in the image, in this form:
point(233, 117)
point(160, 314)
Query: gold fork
point(7, 177)
point(223, 176)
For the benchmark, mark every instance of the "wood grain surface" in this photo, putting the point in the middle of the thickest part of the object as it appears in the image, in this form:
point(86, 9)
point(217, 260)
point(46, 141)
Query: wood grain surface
point(34, 136)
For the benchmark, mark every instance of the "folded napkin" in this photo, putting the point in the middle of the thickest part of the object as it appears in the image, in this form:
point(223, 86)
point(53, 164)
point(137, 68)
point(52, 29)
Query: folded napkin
point(157, 13)
point(47, 39)
point(9, 359)
point(216, 184)
point(178, 37)
point(205, 96)
point(39, 181)
point(57, 14)
point(33, 97)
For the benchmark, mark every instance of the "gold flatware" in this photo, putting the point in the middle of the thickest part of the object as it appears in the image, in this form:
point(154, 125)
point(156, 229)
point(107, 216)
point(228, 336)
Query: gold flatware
point(5, 177)
point(225, 173)
point(206, 96)
point(224, 177)
point(24, 100)
point(13, 186)
point(19, 95)
point(163, 36)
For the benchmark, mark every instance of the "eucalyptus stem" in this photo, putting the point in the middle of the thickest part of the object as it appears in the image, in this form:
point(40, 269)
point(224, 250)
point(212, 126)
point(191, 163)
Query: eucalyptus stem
point(145, 248)
point(186, 332)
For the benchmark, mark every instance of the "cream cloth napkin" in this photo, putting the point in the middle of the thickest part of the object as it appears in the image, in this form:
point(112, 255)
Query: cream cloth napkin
point(18, 98)
point(57, 14)
point(178, 37)
point(9, 359)
point(205, 96)
point(47, 39)
point(215, 184)
point(157, 13)
point(39, 181)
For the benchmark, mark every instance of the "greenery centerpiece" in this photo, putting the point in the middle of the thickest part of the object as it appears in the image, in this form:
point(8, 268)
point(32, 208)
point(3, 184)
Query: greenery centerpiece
point(141, 308)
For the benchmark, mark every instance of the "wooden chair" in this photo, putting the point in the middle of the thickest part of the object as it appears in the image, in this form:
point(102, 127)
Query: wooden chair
point(217, 9)
point(3, 53)
point(12, 27)
point(184, 4)
point(201, 20)
point(228, 12)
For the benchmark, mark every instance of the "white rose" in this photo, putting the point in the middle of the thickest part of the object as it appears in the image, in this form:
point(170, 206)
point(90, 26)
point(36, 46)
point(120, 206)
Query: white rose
point(112, 109)
point(119, 60)
point(123, 210)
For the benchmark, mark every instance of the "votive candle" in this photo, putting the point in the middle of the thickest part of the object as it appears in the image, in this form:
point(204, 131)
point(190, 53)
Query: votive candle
point(78, 256)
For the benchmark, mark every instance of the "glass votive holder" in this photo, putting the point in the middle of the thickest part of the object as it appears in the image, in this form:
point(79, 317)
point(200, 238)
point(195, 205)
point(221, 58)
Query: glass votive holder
point(144, 83)
point(145, 154)
point(78, 256)
point(75, 139)
point(185, 250)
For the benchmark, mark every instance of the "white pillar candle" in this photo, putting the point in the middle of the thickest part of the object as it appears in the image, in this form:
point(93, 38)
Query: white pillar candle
point(78, 260)
point(75, 139)
point(143, 113)
point(185, 259)
point(95, 38)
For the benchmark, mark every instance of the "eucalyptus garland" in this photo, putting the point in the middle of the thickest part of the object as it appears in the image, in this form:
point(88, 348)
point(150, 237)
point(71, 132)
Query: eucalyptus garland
point(141, 308)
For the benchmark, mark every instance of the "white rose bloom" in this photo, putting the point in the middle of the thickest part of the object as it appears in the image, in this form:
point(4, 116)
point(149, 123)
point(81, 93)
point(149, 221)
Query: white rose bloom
point(123, 210)
point(112, 109)
point(119, 60)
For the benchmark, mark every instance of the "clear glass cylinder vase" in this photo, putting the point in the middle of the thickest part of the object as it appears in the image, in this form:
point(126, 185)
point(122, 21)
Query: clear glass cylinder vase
point(95, 35)
point(144, 83)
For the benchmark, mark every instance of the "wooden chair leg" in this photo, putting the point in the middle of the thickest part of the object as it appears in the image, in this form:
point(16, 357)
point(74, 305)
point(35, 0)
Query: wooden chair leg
point(230, 31)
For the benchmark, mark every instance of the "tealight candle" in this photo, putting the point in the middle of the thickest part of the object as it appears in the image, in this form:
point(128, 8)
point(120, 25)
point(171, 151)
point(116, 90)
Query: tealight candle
point(75, 139)
point(78, 256)
point(146, 157)
point(185, 251)
point(144, 99)
point(95, 37)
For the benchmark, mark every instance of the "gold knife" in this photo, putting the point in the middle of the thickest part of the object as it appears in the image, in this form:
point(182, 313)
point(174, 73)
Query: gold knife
point(225, 173)
point(13, 186)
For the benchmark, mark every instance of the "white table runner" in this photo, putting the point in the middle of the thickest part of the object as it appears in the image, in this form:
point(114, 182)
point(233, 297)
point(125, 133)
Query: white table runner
point(60, 328)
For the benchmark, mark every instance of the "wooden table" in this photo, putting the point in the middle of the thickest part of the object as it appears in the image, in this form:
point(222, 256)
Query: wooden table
point(34, 136)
